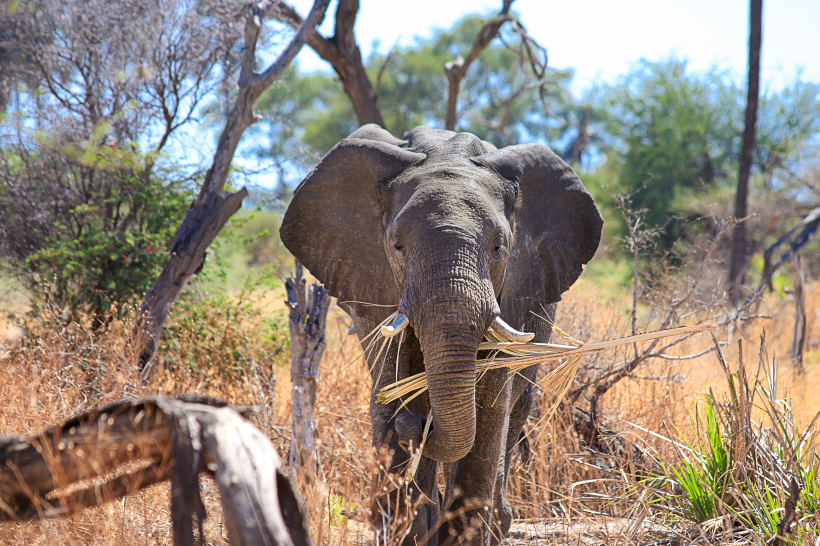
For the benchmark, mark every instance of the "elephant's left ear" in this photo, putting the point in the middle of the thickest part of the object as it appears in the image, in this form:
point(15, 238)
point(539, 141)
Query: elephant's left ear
point(558, 226)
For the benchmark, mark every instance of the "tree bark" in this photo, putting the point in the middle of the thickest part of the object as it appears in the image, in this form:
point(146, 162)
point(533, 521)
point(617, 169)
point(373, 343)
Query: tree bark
point(456, 69)
point(307, 345)
point(343, 54)
point(741, 198)
point(800, 324)
point(212, 208)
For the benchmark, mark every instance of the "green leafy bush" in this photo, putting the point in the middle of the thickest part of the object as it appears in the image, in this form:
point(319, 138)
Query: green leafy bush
point(88, 226)
point(220, 336)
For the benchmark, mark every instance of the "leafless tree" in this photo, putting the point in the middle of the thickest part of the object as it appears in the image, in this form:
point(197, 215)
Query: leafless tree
point(307, 321)
point(742, 196)
point(131, 63)
point(342, 52)
point(97, 90)
point(528, 51)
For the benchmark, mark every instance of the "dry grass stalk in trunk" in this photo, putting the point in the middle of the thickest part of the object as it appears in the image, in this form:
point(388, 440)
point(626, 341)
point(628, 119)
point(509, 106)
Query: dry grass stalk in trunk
point(530, 354)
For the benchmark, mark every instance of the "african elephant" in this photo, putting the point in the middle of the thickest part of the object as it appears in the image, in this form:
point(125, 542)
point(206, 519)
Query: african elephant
point(460, 236)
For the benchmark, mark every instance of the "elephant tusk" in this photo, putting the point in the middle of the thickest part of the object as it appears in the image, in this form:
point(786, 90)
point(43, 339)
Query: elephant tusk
point(398, 324)
point(509, 333)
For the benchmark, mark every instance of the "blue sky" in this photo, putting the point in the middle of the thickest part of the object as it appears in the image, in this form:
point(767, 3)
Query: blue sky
point(601, 39)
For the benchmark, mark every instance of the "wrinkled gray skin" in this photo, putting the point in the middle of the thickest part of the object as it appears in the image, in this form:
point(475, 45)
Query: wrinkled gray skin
point(455, 233)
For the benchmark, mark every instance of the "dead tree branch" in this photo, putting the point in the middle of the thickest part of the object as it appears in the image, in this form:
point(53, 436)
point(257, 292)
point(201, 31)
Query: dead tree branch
point(173, 439)
point(799, 338)
point(672, 312)
point(342, 52)
point(382, 70)
point(457, 68)
point(212, 209)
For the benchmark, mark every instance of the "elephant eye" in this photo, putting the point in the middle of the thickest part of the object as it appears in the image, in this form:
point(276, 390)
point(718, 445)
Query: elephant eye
point(498, 247)
point(398, 244)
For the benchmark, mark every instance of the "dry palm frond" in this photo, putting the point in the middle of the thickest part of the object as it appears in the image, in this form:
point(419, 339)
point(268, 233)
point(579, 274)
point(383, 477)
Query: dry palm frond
point(416, 459)
point(524, 355)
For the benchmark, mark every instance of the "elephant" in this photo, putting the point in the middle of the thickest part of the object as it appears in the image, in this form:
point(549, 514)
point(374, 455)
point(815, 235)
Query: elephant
point(459, 237)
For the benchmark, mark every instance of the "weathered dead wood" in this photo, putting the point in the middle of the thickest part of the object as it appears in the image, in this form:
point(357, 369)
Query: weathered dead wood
point(343, 54)
point(307, 345)
point(82, 448)
point(42, 475)
point(800, 325)
point(457, 69)
point(212, 209)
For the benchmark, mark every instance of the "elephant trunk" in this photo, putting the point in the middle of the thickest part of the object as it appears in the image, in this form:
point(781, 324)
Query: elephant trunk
point(450, 317)
point(450, 363)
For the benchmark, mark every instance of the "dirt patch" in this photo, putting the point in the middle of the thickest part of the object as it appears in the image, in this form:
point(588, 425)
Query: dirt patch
point(601, 530)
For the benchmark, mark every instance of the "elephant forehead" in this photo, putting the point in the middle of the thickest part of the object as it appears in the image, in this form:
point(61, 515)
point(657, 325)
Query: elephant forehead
point(449, 167)
point(447, 182)
point(460, 202)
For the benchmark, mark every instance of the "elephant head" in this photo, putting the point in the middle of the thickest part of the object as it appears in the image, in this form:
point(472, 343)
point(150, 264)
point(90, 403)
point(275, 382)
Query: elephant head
point(454, 232)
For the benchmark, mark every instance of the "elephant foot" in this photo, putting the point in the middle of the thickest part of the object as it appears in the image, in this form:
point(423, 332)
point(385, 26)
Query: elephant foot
point(405, 513)
point(502, 521)
point(404, 516)
point(466, 523)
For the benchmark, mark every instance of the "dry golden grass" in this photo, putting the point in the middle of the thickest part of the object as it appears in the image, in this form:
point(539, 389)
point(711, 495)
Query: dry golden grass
point(558, 496)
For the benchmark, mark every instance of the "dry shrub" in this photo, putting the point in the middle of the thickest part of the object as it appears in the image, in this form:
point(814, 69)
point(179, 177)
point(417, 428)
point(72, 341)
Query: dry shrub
point(567, 478)
point(235, 348)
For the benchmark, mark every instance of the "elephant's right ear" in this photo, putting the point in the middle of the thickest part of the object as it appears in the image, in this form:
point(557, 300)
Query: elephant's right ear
point(334, 222)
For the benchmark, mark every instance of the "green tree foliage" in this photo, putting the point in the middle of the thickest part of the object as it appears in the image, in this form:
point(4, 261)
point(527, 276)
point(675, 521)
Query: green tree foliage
point(86, 214)
point(671, 130)
point(788, 131)
point(94, 226)
point(674, 133)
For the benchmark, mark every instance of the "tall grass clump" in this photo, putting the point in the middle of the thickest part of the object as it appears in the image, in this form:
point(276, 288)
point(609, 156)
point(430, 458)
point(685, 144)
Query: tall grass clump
point(751, 470)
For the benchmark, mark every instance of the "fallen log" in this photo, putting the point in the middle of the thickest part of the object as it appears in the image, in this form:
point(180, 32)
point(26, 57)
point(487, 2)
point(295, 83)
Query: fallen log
point(116, 450)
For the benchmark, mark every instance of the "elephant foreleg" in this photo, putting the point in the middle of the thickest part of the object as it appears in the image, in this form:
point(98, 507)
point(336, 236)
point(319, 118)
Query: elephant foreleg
point(396, 505)
point(468, 510)
point(501, 506)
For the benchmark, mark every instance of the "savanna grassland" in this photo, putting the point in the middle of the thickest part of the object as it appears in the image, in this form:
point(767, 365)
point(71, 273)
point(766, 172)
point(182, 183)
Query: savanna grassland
point(235, 347)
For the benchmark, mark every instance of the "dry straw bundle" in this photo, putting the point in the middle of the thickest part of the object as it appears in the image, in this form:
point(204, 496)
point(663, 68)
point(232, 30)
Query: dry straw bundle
point(524, 355)
point(518, 357)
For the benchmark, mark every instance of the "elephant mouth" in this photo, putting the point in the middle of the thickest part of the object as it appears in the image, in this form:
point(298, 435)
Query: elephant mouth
point(500, 328)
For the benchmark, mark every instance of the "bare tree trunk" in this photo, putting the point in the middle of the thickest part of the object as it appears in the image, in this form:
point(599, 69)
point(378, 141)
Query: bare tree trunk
point(800, 325)
point(741, 198)
point(456, 69)
point(307, 345)
point(212, 208)
point(343, 54)
point(583, 136)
